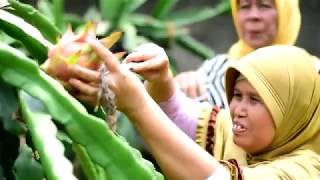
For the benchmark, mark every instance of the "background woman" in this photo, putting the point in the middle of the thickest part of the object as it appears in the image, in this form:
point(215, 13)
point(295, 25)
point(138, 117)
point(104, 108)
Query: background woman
point(258, 23)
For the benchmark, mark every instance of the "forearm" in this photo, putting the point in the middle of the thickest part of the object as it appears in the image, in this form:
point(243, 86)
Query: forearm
point(183, 111)
point(178, 156)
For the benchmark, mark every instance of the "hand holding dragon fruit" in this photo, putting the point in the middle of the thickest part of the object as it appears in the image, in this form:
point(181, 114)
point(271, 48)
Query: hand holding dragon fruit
point(74, 49)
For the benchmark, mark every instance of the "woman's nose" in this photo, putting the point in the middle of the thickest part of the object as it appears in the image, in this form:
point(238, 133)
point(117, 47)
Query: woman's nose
point(254, 12)
point(240, 110)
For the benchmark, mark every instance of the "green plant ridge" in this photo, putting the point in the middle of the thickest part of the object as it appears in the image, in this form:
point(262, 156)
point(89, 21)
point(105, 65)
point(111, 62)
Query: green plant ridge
point(43, 132)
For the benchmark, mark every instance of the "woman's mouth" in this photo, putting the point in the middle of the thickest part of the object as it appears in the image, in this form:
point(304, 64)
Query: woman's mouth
point(238, 128)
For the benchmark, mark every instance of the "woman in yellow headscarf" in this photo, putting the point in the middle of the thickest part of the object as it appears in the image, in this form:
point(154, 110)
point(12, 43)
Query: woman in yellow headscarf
point(271, 130)
point(258, 23)
point(287, 84)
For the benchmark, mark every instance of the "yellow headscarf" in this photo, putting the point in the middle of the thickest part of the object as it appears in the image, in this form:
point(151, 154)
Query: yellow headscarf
point(289, 21)
point(286, 79)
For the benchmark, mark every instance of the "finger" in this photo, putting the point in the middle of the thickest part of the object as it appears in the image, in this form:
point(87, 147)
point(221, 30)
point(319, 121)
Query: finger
point(185, 81)
point(110, 60)
point(144, 52)
point(90, 100)
point(202, 93)
point(138, 57)
point(120, 55)
point(192, 87)
point(84, 88)
point(177, 78)
point(85, 74)
point(182, 84)
point(154, 64)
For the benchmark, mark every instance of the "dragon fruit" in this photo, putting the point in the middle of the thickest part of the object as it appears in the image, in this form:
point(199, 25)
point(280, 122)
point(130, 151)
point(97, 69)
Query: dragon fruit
point(74, 49)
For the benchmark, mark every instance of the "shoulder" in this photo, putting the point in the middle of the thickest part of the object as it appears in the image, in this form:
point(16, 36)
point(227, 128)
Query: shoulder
point(317, 65)
point(219, 58)
point(290, 166)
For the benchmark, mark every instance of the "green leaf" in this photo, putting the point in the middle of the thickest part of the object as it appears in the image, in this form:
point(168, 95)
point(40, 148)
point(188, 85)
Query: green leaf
point(40, 21)
point(26, 33)
point(195, 46)
point(91, 170)
point(163, 7)
point(224, 7)
point(26, 167)
point(58, 12)
point(62, 136)
point(8, 100)
point(142, 20)
point(44, 132)
point(92, 13)
point(8, 108)
point(168, 33)
point(130, 36)
point(6, 39)
point(134, 4)
point(117, 12)
point(110, 8)
point(45, 7)
point(191, 16)
point(74, 20)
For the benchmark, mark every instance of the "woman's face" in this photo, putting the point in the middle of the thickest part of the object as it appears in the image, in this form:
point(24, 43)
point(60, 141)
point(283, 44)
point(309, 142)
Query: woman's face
point(253, 126)
point(258, 22)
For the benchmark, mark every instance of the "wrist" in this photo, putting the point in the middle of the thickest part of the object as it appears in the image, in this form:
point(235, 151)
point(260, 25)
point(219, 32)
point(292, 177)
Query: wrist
point(161, 90)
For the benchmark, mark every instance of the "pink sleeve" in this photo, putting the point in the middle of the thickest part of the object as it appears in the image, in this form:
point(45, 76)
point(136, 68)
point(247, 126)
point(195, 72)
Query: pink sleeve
point(183, 111)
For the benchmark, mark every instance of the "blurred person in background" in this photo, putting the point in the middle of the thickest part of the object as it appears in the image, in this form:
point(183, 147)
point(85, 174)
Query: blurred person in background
point(258, 23)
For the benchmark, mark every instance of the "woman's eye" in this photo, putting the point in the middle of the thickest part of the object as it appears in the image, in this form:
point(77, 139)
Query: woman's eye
point(244, 6)
point(255, 99)
point(237, 95)
point(266, 5)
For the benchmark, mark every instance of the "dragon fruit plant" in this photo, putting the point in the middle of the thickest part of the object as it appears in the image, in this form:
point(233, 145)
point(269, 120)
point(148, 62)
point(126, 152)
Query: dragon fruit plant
point(33, 145)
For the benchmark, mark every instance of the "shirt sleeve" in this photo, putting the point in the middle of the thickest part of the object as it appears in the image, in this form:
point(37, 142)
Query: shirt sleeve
point(183, 111)
point(220, 173)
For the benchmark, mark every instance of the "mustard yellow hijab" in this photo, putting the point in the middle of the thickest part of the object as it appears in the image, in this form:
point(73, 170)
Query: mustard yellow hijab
point(289, 21)
point(286, 79)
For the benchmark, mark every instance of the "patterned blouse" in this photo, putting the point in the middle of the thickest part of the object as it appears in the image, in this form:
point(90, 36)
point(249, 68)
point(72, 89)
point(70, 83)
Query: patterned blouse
point(212, 72)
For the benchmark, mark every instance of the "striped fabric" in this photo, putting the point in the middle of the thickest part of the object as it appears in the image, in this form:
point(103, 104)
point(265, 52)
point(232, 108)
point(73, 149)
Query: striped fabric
point(212, 74)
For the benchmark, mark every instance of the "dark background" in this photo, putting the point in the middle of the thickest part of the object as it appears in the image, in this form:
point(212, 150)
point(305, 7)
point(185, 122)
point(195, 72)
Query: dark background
point(218, 33)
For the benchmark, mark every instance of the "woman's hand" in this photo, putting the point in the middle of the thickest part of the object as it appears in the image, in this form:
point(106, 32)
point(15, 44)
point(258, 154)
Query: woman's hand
point(85, 84)
point(148, 60)
point(126, 86)
point(152, 63)
point(190, 84)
